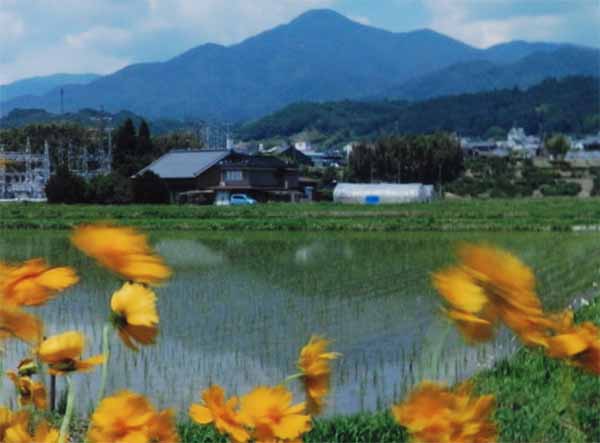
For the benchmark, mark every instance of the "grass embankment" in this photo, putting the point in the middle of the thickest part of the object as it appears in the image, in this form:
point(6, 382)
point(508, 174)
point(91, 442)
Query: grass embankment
point(560, 214)
point(537, 399)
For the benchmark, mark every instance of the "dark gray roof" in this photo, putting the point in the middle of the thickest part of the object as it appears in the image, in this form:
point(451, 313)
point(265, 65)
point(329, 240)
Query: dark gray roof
point(180, 163)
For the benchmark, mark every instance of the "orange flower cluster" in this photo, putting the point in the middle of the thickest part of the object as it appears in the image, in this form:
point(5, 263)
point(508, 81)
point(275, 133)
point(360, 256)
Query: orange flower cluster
point(127, 417)
point(491, 285)
point(435, 414)
point(62, 354)
point(122, 250)
point(15, 428)
point(316, 372)
point(266, 414)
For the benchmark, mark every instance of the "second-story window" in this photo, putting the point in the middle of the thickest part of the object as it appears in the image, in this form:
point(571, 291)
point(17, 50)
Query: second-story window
point(233, 175)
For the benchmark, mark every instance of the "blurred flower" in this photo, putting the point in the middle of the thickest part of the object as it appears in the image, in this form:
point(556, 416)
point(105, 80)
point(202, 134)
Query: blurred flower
point(127, 417)
point(34, 283)
point(30, 392)
point(62, 354)
point(6, 417)
point(134, 314)
point(18, 431)
point(314, 364)
point(433, 413)
point(579, 344)
point(16, 323)
point(492, 285)
point(122, 250)
point(268, 410)
point(220, 412)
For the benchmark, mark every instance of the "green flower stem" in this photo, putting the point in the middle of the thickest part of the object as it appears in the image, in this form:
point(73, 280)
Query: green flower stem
point(64, 427)
point(106, 352)
point(291, 378)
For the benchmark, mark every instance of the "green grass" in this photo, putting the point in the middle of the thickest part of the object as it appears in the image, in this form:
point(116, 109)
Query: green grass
point(538, 399)
point(531, 214)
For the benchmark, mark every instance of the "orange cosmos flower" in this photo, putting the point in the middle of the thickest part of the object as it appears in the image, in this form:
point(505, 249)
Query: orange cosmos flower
point(135, 315)
point(316, 372)
point(492, 285)
point(579, 344)
point(269, 411)
point(433, 414)
point(18, 431)
point(127, 417)
point(17, 323)
point(30, 392)
point(220, 412)
point(62, 354)
point(122, 250)
point(34, 283)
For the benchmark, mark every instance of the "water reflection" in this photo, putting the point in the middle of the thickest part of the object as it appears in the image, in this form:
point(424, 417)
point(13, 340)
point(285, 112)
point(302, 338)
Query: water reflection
point(241, 305)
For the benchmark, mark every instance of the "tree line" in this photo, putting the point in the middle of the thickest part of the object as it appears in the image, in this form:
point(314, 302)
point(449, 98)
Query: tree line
point(429, 159)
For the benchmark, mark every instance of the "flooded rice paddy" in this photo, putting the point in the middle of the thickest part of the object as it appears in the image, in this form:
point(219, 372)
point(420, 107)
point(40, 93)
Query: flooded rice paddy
point(241, 305)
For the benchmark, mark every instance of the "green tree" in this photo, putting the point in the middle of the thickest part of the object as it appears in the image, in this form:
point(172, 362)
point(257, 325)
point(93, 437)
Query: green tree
point(557, 146)
point(144, 141)
point(64, 187)
point(125, 149)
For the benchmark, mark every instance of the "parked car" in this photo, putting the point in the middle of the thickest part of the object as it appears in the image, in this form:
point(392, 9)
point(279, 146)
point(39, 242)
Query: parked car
point(241, 199)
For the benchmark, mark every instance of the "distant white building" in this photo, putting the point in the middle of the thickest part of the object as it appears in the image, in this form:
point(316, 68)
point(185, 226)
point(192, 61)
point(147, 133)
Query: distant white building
point(518, 141)
point(382, 193)
point(303, 146)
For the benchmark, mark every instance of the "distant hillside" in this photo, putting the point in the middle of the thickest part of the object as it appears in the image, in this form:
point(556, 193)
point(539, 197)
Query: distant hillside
point(567, 105)
point(319, 56)
point(483, 75)
point(89, 118)
point(42, 85)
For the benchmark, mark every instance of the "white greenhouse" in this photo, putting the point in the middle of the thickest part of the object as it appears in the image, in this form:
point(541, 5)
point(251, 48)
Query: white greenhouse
point(382, 193)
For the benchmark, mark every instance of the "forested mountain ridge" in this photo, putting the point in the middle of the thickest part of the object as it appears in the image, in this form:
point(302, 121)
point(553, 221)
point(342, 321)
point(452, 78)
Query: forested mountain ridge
point(565, 105)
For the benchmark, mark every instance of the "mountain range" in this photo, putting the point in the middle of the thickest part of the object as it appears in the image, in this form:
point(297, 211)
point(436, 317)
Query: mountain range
point(319, 56)
point(42, 85)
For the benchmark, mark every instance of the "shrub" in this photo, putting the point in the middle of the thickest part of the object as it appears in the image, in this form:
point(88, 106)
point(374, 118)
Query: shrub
point(150, 188)
point(561, 188)
point(109, 189)
point(64, 187)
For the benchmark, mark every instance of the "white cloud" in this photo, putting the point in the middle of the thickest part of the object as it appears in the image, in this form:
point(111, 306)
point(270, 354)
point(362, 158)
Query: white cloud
point(99, 37)
point(55, 59)
point(458, 18)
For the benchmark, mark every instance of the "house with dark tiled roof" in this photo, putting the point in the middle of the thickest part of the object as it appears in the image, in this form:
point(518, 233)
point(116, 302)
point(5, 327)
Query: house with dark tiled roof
point(217, 174)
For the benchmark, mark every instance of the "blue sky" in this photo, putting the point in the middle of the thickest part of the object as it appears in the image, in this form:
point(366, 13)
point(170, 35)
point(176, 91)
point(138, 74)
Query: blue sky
point(41, 37)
